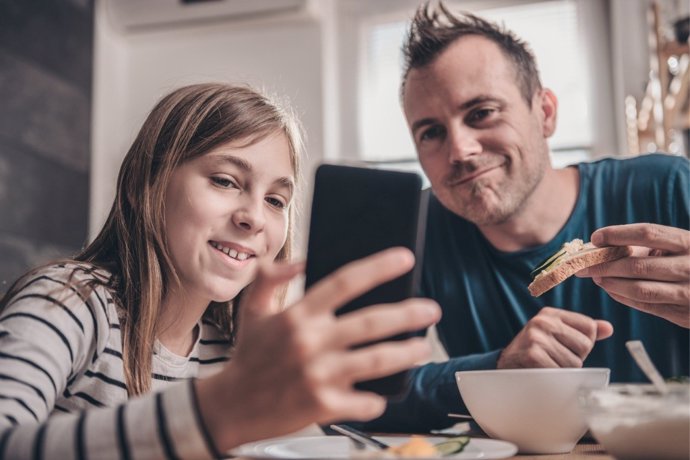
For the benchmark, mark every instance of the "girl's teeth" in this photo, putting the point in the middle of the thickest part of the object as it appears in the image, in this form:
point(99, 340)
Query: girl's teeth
point(231, 252)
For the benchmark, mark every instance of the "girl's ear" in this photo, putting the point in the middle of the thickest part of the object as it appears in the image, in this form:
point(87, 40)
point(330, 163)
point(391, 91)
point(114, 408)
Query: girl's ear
point(549, 110)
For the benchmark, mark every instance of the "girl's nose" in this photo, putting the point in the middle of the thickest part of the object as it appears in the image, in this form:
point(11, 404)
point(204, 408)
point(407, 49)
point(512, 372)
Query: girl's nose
point(250, 217)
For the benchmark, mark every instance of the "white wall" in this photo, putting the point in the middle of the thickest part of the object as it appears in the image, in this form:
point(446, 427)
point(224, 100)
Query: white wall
point(311, 57)
point(281, 55)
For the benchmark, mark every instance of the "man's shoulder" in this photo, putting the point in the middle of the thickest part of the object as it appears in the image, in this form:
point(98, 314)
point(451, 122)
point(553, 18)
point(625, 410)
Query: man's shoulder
point(653, 163)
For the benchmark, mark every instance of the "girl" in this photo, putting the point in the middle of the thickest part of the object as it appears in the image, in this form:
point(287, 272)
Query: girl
point(124, 351)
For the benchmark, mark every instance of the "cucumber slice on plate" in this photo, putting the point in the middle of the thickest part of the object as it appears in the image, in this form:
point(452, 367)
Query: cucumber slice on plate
point(452, 446)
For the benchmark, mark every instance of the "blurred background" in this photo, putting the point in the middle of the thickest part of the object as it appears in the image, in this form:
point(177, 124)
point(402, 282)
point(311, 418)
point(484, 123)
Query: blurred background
point(77, 78)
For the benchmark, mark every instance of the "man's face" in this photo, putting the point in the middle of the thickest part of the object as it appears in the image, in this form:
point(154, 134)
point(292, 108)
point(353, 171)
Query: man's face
point(480, 144)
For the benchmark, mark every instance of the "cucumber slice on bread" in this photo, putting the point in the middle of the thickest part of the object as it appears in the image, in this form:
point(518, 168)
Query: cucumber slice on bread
point(571, 258)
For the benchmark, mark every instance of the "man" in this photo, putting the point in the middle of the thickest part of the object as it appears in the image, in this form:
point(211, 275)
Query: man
point(480, 120)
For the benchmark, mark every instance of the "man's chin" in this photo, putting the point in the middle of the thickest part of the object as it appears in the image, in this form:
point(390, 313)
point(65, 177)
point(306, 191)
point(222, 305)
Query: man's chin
point(484, 214)
point(485, 208)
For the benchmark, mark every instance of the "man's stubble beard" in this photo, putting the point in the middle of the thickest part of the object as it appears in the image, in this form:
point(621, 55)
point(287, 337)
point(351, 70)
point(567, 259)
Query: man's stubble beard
point(491, 205)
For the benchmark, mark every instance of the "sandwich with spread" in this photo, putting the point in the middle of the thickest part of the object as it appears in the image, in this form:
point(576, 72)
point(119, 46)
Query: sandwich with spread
point(574, 256)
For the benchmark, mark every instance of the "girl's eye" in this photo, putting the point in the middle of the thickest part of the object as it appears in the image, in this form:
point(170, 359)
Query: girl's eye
point(276, 202)
point(434, 132)
point(223, 182)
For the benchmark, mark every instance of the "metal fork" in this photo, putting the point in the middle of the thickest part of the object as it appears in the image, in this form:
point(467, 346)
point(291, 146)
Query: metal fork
point(360, 439)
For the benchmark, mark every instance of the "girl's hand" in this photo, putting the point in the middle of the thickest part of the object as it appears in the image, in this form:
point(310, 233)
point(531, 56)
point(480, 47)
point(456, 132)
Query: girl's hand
point(298, 366)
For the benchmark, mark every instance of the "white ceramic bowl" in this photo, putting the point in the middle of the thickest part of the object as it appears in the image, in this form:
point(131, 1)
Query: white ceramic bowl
point(537, 409)
point(636, 422)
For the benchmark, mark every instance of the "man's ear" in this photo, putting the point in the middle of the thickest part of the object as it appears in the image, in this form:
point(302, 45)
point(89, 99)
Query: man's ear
point(548, 103)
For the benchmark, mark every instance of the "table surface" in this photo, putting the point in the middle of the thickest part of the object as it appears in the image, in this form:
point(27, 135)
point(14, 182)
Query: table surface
point(585, 451)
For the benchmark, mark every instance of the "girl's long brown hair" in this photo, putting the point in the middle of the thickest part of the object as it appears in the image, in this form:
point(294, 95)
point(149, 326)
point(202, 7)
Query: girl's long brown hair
point(132, 245)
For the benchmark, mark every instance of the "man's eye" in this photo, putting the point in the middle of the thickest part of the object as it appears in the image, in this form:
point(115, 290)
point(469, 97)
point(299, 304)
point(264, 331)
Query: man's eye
point(223, 182)
point(434, 132)
point(276, 202)
point(480, 114)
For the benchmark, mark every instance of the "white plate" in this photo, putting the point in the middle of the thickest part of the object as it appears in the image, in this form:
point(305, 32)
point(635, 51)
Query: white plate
point(338, 447)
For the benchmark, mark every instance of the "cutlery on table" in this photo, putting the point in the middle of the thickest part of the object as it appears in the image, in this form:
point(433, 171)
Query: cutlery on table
point(639, 353)
point(361, 439)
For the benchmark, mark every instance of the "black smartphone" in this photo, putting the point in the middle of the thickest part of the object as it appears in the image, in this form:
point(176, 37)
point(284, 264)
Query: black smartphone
point(357, 212)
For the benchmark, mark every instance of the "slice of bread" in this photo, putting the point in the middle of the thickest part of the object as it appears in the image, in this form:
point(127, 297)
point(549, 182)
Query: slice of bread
point(587, 256)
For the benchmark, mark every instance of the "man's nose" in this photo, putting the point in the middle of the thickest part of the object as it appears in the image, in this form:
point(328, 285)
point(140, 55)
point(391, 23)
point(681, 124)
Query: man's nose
point(462, 144)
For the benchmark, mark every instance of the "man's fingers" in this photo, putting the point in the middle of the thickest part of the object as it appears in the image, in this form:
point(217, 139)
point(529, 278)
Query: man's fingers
point(677, 314)
point(604, 329)
point(670, 268)
point(381, 321)
point(563, 355)
point(578, 342)
point(539, 357)
point(260, 298)
point(578, 332)
point(358, 277)
point(654, 236)
point(675, 293)
point(582, 323)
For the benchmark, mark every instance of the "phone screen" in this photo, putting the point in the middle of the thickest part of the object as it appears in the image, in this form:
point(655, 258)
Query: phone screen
point(357, 212)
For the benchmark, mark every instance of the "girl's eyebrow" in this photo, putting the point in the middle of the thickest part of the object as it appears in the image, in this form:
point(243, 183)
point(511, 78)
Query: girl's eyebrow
point(285, 182)
point(241, 163)
point(244, 165)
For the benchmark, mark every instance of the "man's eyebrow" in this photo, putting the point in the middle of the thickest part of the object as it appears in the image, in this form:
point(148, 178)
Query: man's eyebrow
point(423, 122)
point(462, 107)
point(479, 100)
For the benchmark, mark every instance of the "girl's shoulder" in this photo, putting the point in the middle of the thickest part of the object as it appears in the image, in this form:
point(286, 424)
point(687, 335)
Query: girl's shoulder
point(66, 306)
point(68, 283)
point(68, 274)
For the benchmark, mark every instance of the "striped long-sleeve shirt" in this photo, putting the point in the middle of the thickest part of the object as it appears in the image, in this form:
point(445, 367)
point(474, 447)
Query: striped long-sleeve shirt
point(62, 391)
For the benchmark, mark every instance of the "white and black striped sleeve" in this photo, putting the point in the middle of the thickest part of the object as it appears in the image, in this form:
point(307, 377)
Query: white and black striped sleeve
point(162, 425)
point(49, 333)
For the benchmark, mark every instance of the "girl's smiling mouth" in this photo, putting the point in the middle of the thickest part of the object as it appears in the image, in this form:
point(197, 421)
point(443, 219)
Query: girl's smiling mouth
point(233, 251)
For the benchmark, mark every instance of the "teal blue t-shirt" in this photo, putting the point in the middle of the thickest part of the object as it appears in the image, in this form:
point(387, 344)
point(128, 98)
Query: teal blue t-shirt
point(484, 297)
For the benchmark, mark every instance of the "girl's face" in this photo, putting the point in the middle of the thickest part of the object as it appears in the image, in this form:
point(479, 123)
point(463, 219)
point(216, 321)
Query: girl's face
point(223, 211)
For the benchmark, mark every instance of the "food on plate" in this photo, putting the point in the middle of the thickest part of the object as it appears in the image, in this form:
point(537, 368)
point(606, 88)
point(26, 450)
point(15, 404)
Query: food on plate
point(452, 446)
point(416, 447)
point(420, 447)
point(574, 256)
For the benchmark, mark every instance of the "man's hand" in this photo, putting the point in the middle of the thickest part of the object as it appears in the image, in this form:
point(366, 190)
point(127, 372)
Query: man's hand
point(656, 278)
point(554, 338)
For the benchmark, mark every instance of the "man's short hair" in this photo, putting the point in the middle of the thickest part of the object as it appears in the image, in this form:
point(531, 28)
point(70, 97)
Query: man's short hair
point(433, 29)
